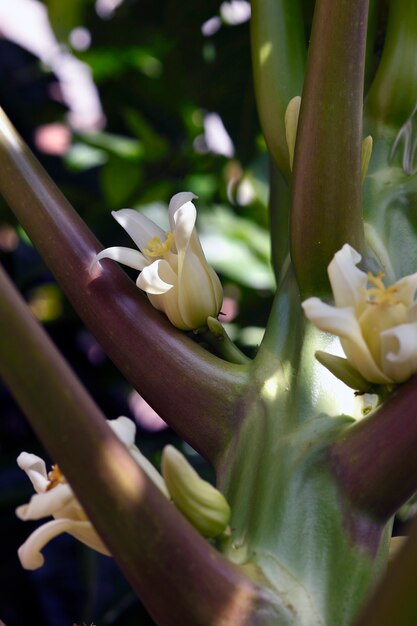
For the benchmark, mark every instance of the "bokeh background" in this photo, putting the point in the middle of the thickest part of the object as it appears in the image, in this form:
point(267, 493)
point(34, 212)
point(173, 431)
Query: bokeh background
point(125, 103)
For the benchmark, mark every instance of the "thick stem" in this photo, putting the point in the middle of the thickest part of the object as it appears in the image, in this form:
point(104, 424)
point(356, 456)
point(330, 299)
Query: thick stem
point(394, 600)
point(375, 460)
point(178, 575)
point(278, 58)
point(199, 390)
point(326, 211)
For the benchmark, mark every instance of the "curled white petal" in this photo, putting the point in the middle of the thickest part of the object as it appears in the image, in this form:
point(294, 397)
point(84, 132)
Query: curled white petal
point(347, 281)
point(45, 504)
point(126, 256)
point(177, 202)
point(139, 227)
point(30, 552)
point(343, 323)
point(399, 351)
point(184, 221)
point(157, 278)
point(35, 468)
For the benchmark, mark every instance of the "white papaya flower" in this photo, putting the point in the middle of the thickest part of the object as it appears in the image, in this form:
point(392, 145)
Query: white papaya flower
point(54, 497)
point(377, 324)
point(173, 269)
point(203, 505)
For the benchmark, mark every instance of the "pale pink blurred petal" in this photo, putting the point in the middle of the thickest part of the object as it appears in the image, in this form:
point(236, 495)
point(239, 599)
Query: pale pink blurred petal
point(9, 240)
point(53, 139)
point(144, 414)
point(229, 310)
point(211, 26)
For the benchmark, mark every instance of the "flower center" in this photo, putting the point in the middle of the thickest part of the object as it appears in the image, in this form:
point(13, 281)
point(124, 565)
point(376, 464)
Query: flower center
point(55, 477)
point(155, 249)
point(379, 294)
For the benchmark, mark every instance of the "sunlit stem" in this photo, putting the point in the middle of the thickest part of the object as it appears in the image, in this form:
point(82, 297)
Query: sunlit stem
point(219, 340)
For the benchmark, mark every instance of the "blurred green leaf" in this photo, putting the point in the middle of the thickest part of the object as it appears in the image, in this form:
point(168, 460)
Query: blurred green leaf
point(154, 145)
point(123, 147)
point(237, 247)
point(64, 16)
point(81, 157)
point(119, 179)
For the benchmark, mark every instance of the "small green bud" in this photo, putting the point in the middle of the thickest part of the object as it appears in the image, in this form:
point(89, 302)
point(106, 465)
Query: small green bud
point(215, 327)
point(291, 124)
point(367, 144)
point(201, 503)
point(342, 369)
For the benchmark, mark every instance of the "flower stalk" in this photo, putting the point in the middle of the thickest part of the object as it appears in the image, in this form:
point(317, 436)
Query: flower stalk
point(326, 205)
point(204, 385)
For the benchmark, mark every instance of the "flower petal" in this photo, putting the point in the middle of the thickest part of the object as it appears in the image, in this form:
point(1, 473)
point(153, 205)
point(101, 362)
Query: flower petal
point(347, 281)
point(35, 468)
point(412, 313)
point(177, 202)
point(150, 470)
point(125, 429)
point(343, 323)
point(157, 278)
point(139, 227)
point(85, 532)
point(407, 288)
point(126, 256)
point(399, 351)
point(168, 303)
point(198, 292)
point(30, 552)
point(45, 504)
point(183, 225)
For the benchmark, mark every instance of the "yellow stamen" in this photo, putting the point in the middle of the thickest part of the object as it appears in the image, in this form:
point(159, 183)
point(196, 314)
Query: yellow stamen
point(55, 477)
point(379, 294)
point(156, 249)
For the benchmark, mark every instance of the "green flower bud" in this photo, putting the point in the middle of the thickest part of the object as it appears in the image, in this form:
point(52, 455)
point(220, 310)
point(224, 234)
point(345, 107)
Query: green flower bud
point(367, 144)
point(343, 370)
point(291, 124)
point(201, 503)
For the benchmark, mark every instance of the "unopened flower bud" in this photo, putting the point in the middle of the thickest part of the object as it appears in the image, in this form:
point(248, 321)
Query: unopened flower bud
point(201, 503)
